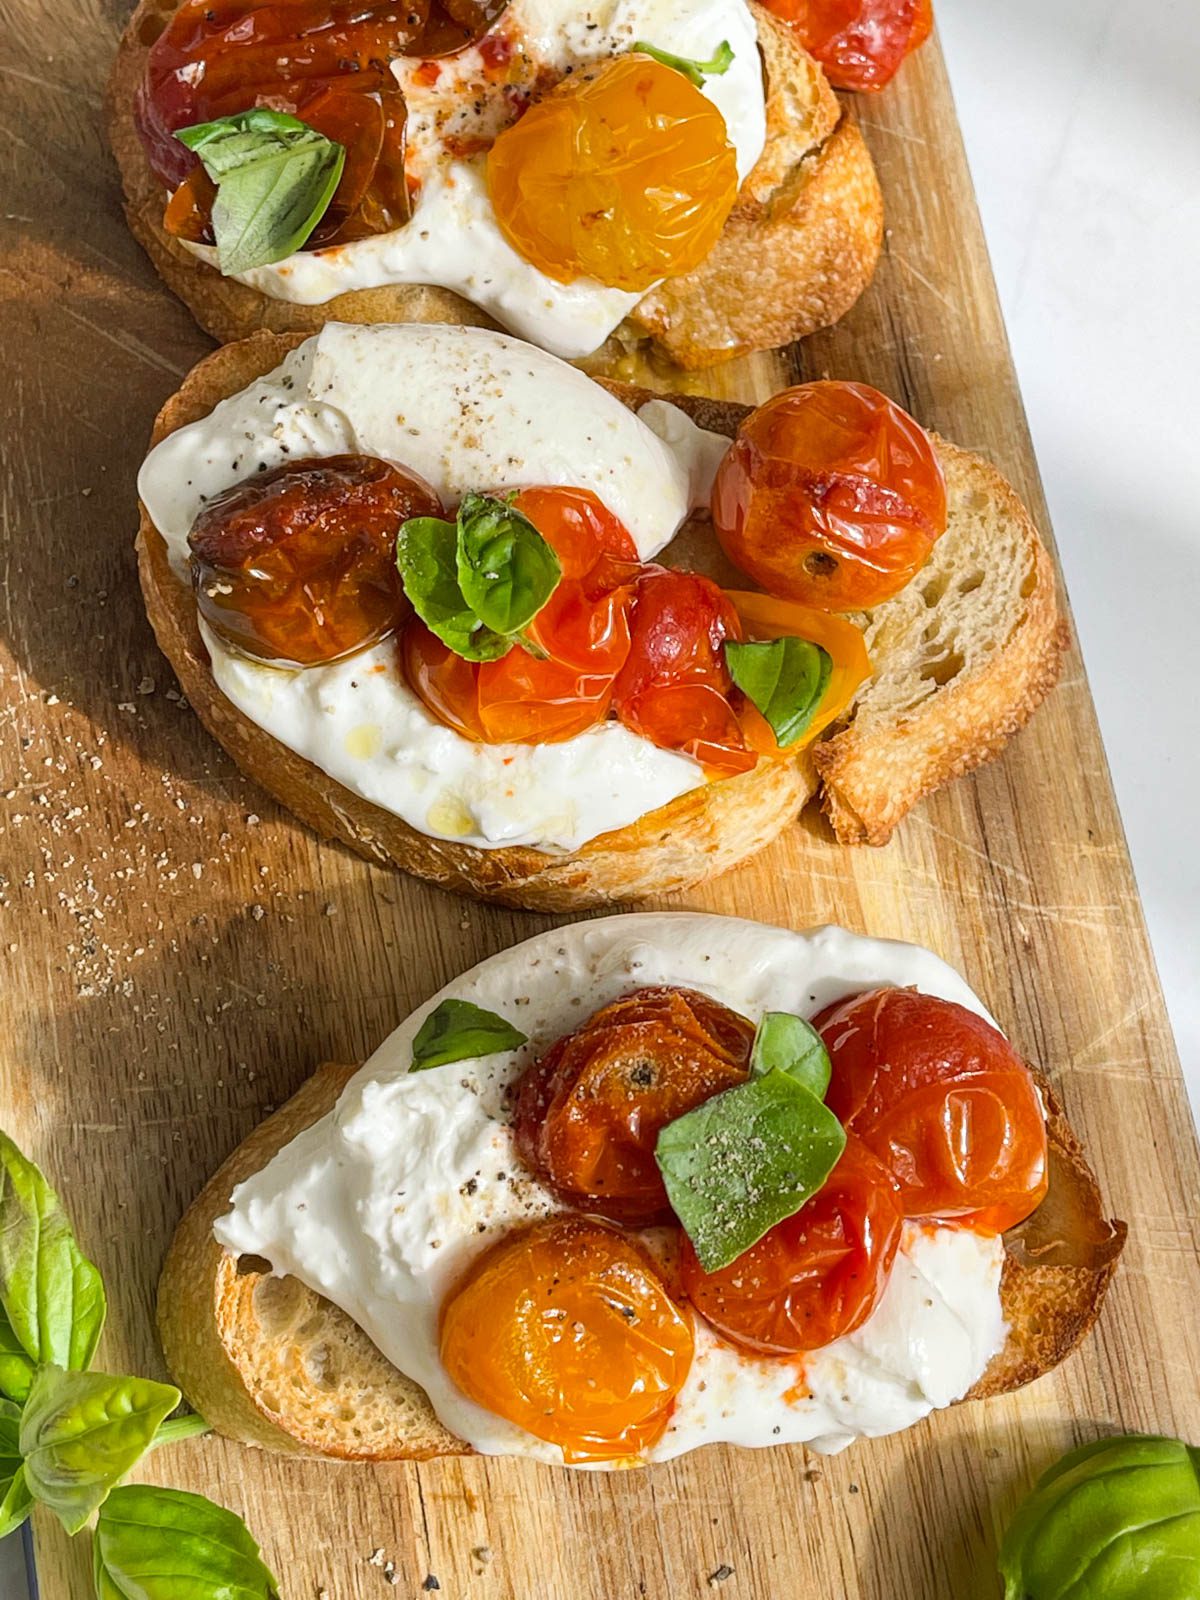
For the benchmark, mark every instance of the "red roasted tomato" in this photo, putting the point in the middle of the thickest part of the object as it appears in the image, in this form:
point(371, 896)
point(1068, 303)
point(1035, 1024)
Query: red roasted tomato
point(859, 43)
point(582, 630)
point(298, 564)
point(816, 1275)
point(325, 61)
point(943, 1100)
point(674, 688)
point(567, 1329)
point(830, 495)
point(588, 1113)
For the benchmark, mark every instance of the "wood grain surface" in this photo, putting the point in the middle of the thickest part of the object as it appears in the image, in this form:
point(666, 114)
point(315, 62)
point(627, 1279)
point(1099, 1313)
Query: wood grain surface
point(178, 954)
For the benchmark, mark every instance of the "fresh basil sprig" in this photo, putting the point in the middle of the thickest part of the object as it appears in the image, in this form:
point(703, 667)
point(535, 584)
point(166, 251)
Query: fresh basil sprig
point(456, 1030)
point(1118, 1518)
point(506, 570)
point(82, 1431)
point(426, 554)
point(275, 177)
point(789, 1044)
point(15, 1498)
point(785, 678)
point(163, 1544)
point(694, 71)
point(479, 581)
point(746, 1159)
point(16, 1369)
point(51, 1296)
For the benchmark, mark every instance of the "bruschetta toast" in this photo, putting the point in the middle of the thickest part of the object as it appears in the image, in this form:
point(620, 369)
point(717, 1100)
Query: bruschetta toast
point(959, 659)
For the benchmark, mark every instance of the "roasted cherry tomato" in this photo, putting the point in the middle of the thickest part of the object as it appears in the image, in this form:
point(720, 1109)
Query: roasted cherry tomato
point(579, 641)
point(830, 495)
point(813, 1277)
point(675, 686)
point(566, 1329)
point(325, 61)
point(588, 1113)
point(298, 565)
point(624, 174)
point(859, 43)
point(579, 525)
point(764, 617)
point(943, 1100)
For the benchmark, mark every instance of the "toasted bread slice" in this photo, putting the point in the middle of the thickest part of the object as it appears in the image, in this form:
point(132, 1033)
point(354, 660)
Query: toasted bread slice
point(962, 658)
point(270, 1362)
point(805, 233)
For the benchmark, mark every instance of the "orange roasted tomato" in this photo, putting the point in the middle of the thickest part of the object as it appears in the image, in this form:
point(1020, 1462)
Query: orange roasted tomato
point(859, 43)
point(566, 1329)
point(624, 174)
point(813, 1277)
point(675, 687)
point(580, 638)
point(943, 1100)
point(325, 61)
point(297, 565)
point(587, 1115)
point(830, 495)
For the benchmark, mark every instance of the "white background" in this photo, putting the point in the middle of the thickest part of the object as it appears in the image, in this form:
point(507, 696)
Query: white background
point(1082, 124)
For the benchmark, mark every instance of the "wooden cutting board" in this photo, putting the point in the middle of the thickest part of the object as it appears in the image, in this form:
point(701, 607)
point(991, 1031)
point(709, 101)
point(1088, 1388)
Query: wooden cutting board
point(179, 954)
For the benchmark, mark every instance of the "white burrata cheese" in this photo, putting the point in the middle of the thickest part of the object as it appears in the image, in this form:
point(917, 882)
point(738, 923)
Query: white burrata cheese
point(465, 409)
point(384, 1203)
point(452, 239)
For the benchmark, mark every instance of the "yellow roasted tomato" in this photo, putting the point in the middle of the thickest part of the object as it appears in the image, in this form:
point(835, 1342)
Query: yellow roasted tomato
point(625, 175)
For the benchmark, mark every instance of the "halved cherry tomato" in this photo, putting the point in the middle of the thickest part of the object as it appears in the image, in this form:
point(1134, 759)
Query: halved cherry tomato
point(588, 1113)
point(814, 1277)
point(943, 1100)
point(624, 173)
point(566, 1329)
point(675, 686)
point(298, 564)
point(830, 495)
point(860, 43)
point(447, 684)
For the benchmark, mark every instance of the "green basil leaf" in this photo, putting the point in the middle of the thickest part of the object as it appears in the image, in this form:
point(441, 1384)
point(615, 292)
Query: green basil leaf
point(15, 1499)
point(1119, 1517)
point(793, 1046)
point(81, 1432)
point(694, 71)
point(506, 570)
point(744, 1160)
point(275, 177)
point(51, 1295)
point(456, 1030)
point(16, 1369)
point(785, 678)
point(426, 554)
point(166, 1544)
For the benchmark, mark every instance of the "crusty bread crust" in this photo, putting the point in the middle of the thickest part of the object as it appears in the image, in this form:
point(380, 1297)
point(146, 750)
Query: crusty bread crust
point(874, 770)
point(806, 231)
point(268, 1361)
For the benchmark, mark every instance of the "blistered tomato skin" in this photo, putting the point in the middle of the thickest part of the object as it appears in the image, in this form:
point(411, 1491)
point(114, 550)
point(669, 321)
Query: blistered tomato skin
point(625, 175)
point(325, 61)
point(563, 685)
point(859, 43)
point(814, 1277)
point(297, 566)
point(566, 1329)
point(944, 1101)
point(831, 496)
point(587, 1114)
point(675, 687)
